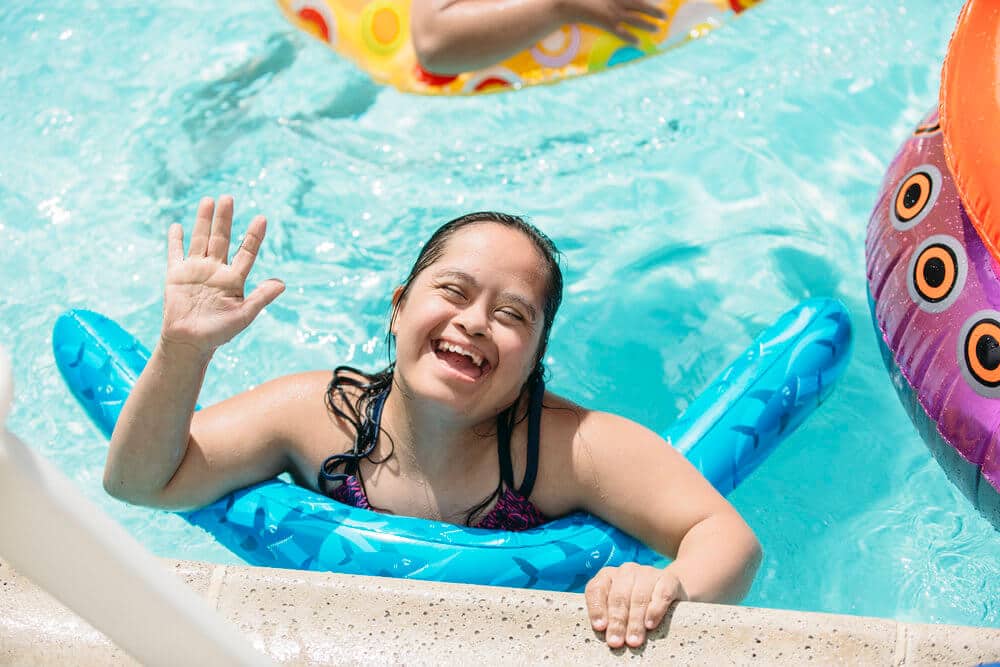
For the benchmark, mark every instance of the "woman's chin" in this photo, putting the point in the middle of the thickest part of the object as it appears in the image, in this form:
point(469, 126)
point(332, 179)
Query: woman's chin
point(447, 388)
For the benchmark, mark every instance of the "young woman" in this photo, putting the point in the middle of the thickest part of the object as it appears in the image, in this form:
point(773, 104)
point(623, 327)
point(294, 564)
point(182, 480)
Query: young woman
point(459, 428)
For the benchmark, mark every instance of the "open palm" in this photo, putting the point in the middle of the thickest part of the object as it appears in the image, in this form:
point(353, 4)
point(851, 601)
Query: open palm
point(204, 302)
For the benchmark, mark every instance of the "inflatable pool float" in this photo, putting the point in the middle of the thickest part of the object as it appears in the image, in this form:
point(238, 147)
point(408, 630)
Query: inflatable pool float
point(726, 432)
point(375, 35)
point(932, 253)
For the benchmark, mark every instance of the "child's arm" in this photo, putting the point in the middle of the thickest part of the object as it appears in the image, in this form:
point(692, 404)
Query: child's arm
point(455, 36)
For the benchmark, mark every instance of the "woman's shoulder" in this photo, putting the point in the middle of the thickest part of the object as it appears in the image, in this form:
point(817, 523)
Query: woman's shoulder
point(279, 409)
point(311, 414)
point(575, 425)
point(559, 461)
point(311, 389)
point(579, 443)
point(295, 406)
point(561, 417)
point(291, 392)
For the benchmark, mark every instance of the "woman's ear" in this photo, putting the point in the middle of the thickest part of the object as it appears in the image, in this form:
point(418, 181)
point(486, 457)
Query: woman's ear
point(397, 299)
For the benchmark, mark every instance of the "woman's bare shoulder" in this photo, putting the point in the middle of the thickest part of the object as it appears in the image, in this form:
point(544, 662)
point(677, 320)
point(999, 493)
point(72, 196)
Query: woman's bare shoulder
point(301, 406)
point(555, 490)
point(579, 443)
point(312, 391)
point(561, 417)
point(279, 409)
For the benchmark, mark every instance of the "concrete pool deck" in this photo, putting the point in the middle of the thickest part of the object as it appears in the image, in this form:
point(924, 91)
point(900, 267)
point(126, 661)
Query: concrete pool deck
point(313, 618)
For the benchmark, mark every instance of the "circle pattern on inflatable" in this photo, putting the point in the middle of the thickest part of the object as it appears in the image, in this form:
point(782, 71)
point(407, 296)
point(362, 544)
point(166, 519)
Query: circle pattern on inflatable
point(375, 34)
point(934, 288)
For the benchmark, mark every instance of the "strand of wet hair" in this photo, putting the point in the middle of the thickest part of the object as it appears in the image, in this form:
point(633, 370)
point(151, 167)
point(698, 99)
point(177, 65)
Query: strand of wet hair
point(365, 441)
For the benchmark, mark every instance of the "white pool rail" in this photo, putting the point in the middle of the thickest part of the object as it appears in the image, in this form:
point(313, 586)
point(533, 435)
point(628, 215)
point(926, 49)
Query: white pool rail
point(52, 534)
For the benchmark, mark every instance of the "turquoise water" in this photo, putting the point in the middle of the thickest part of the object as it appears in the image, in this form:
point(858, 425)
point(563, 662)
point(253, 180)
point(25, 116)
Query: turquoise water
point(696, 195)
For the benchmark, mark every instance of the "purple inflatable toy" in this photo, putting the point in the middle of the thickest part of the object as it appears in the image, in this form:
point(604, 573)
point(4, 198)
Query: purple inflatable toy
point(934, 289)
point(932, 252)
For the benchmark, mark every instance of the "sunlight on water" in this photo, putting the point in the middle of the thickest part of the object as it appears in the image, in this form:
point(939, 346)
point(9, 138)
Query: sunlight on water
point(696, 196)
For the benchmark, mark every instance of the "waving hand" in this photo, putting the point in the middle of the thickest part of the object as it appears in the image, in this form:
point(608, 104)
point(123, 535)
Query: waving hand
point(204, 302)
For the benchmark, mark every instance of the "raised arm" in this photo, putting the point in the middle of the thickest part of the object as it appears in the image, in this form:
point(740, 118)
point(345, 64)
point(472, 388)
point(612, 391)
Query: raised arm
point(455, 36)
point(204, 307)
point(633, 479)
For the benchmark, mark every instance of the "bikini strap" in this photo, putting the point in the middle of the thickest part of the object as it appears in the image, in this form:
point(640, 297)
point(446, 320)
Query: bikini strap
point(534, 438)
point(505, 428)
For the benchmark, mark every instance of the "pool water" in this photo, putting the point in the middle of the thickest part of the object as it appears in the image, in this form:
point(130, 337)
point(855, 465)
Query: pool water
point(696, 196)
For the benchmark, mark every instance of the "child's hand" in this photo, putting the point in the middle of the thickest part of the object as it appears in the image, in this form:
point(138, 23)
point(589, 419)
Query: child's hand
point(613, 15)
point(203, 304)
point(626, 601)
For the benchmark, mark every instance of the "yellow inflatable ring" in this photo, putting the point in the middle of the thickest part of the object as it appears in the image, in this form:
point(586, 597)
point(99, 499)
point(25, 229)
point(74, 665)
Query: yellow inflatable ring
point(375, 34)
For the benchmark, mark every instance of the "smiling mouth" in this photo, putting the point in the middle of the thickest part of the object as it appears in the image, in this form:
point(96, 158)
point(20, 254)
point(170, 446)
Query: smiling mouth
point(461, 360)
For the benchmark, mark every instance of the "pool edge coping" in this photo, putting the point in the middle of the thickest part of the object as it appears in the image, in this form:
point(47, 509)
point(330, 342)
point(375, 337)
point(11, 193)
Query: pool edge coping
point(315, 618)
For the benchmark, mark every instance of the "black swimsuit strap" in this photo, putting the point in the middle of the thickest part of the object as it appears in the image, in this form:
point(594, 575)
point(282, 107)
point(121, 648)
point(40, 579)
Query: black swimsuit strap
point(363, 445)
point(505, 428)
point(368, 437)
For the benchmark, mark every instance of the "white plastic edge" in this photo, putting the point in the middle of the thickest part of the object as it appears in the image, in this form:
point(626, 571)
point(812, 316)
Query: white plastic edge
point(52, 534)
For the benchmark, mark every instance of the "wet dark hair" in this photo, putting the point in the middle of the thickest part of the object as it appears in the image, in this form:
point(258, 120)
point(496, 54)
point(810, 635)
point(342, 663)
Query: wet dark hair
point(357, 410)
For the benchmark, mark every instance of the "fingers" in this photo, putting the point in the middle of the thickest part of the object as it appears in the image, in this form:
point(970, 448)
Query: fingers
point(637, 21)
point(218, 242)
point(202, 228)
point(175, 245)
point(638, 15)
point(663, 596)
point(247, 253)
point(213, 228)
point(619, 601)
point(635, 631)
point(647, 8)
point(260, 298)
point(623, 34)
point(596, 595)
point(628, 601)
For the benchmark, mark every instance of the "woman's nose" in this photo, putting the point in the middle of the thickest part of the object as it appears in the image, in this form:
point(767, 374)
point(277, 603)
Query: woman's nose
point(473, 320)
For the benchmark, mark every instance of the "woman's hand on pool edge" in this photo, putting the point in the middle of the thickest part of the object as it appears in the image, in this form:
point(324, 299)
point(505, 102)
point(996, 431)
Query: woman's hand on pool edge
point(626, 602)
point(204, 304)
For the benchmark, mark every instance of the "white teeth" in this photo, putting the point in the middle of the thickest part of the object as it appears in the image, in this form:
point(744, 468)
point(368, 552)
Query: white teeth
point(451, 347)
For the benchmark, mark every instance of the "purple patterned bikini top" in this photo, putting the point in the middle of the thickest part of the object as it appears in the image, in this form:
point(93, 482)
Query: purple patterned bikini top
point(513, 511)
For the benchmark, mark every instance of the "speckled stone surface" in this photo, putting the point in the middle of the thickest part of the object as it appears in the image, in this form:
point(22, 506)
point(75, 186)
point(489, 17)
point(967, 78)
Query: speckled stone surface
point(950, 645)
point(35, 629)
point(197, 575)
point(315, 619)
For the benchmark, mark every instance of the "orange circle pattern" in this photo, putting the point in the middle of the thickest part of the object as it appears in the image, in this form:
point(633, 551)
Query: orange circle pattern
point(385, 25)
point(977, 335)
point(947, 258)
point(907, 212)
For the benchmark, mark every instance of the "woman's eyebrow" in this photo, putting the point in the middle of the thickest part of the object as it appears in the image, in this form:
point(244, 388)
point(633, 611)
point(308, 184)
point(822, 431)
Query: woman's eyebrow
point(457, 275)
point(468, 279)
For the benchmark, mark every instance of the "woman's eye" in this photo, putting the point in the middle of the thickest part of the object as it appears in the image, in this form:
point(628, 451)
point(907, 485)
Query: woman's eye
point(451, 290)
point(512, 314)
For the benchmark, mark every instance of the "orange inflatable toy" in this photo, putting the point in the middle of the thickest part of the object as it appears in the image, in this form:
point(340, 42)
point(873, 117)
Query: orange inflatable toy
point(970, 116)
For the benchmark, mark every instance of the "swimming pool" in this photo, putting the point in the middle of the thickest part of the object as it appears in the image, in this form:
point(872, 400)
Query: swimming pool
point(695, 195)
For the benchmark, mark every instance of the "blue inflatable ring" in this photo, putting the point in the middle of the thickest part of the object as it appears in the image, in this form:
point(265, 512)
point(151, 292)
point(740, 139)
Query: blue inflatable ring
point(726, 432)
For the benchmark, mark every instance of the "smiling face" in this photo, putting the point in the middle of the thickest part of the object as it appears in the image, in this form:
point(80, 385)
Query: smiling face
point(469, 328)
